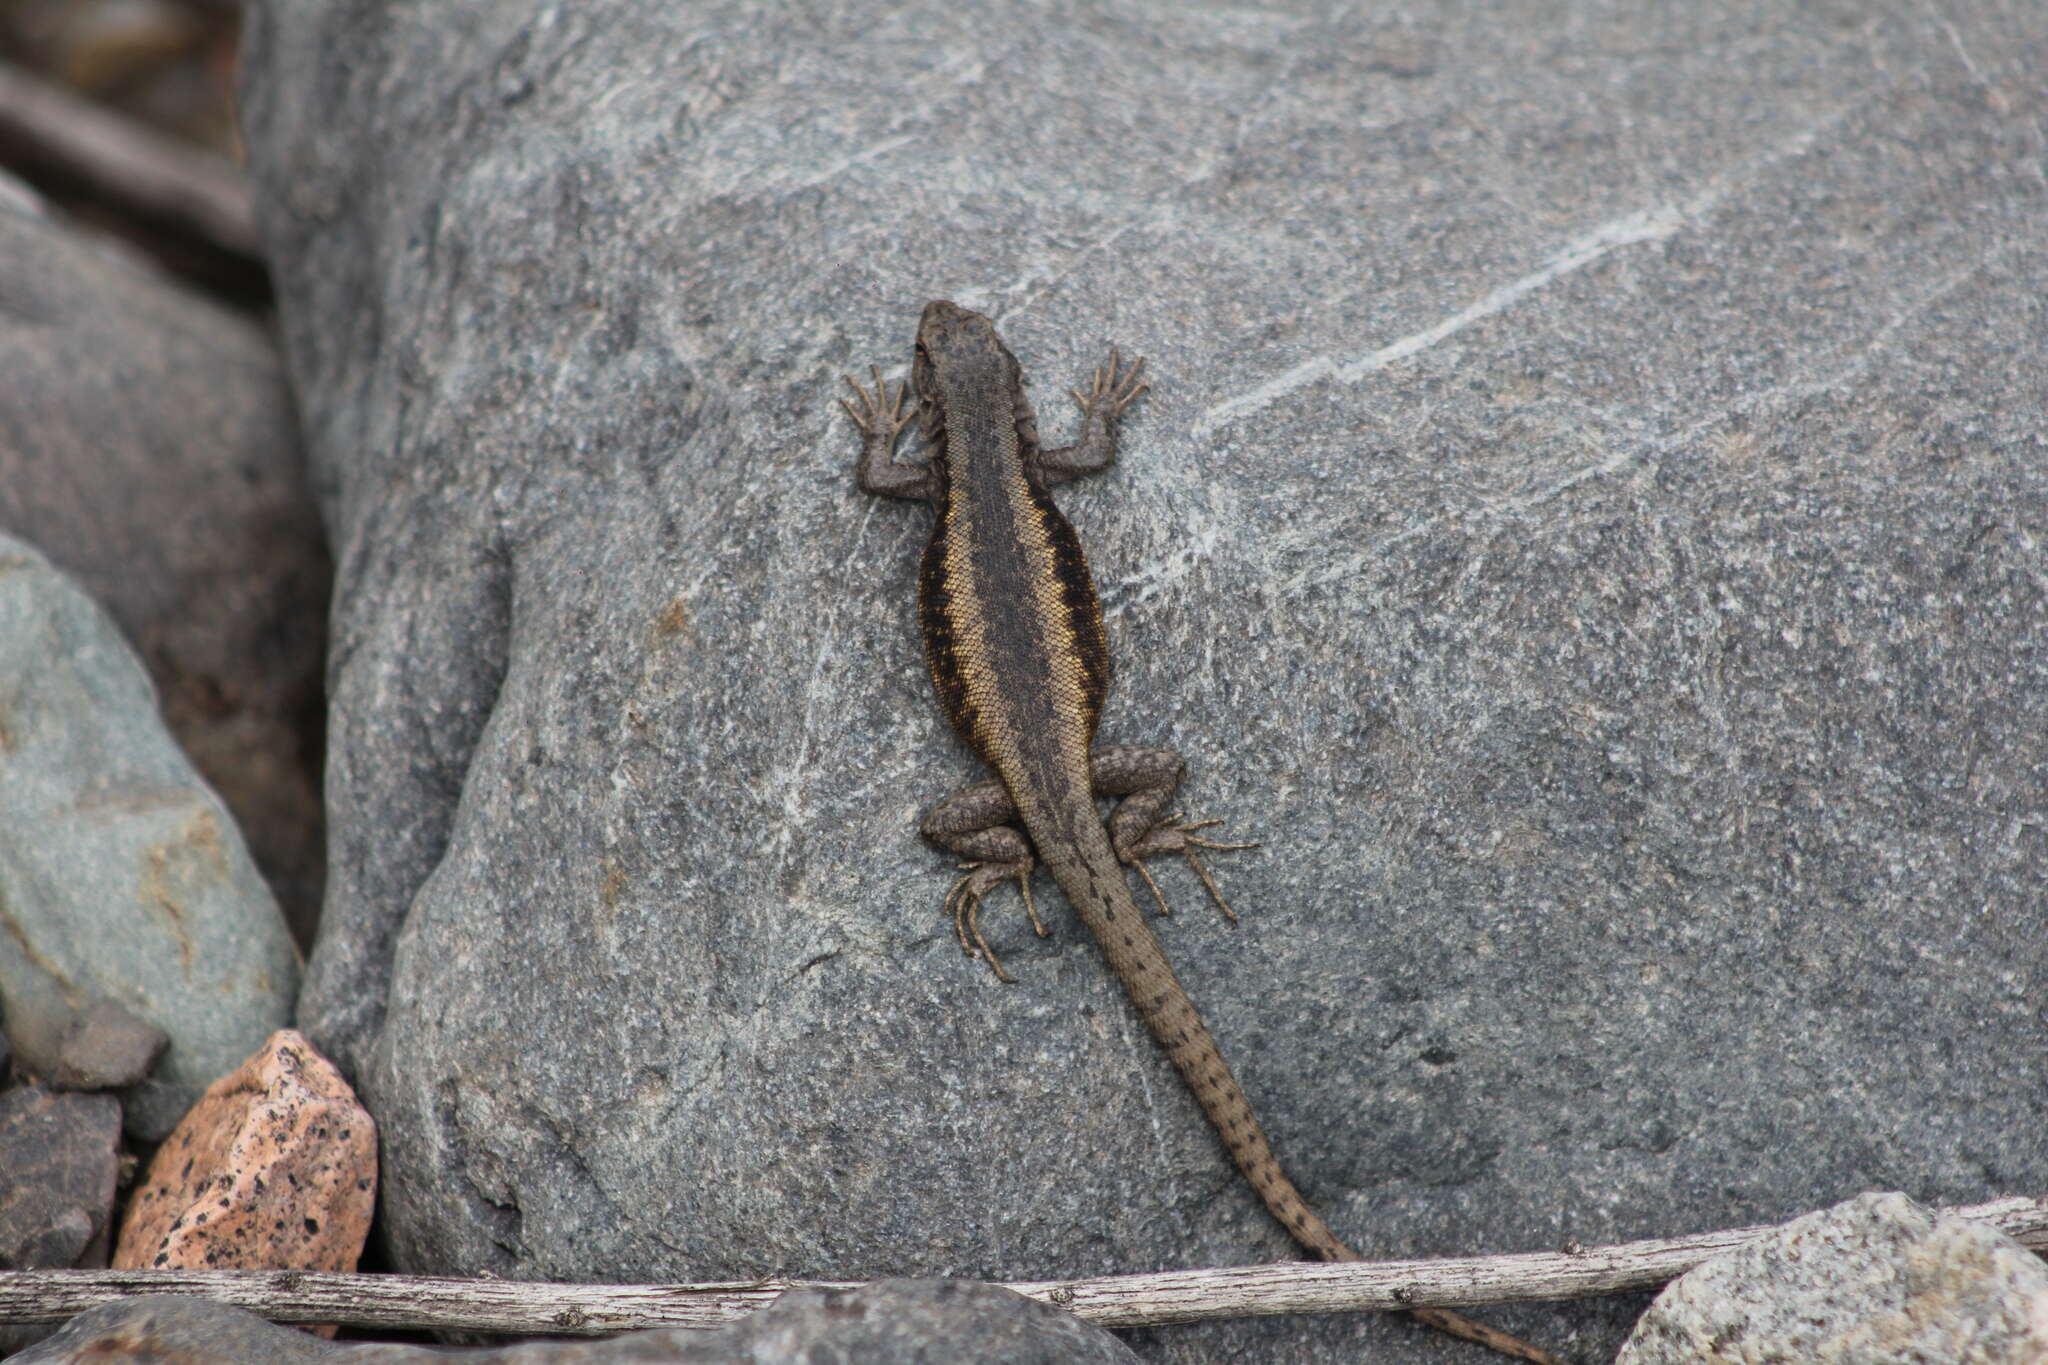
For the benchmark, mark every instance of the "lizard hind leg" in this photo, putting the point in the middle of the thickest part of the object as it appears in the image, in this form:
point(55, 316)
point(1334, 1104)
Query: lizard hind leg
point(1175, 835)
point(1146, 779)
point(975, 822)
point(963, 903)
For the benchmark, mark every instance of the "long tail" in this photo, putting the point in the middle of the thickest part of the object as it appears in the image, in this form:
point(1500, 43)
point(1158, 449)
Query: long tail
point(1095, 886)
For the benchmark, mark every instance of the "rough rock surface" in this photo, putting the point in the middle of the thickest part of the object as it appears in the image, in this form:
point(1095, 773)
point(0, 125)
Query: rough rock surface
point(276, 1166)
point(106, 1047)
point(1586, 523)
point(899, 1322)
point(122, 877)
point(1877, 1280)
point(59, 1157)
point(148, 445)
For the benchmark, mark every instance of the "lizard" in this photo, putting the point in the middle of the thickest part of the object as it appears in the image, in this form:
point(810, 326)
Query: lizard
point(1017, 651)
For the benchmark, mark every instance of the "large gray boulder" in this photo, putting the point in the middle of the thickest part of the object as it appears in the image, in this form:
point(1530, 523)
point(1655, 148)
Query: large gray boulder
point(1586, 524)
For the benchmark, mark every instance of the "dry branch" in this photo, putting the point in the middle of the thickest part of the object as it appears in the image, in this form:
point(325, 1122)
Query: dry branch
point(523, 1308)
point(124, 164)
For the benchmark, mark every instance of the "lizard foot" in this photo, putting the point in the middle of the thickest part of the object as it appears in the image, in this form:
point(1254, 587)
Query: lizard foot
point(1174, 835)
point(963, 903)
point(1110, 390)
point(880, 413)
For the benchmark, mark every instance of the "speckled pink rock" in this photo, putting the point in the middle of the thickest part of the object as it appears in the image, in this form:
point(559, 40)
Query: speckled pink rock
point(274, 1168)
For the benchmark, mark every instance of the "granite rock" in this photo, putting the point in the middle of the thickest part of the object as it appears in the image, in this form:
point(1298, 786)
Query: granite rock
point(148, 445)
point(1585, 524)
point(274, 1167)
point(901, 1322)
point(1877, 1280)
point(122, 877)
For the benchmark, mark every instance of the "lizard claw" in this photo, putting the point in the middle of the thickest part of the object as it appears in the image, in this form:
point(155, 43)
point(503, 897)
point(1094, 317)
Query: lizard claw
point(1187, 831)
point(1112, 388)
point(1175, 835)
point(881, 413)
point(963, 903)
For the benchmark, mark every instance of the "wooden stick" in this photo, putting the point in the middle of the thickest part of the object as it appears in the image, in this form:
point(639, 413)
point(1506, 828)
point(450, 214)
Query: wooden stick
point(124, 164)
point(525, 1308)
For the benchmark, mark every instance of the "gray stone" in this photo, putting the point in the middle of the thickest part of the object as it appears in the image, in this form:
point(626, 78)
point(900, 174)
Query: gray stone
point(147, 443)
point(1877, 1280)
point(59, 1157)
point(122, 876)
point(106, 1048)
point(1585, 524)
point(893, 1322)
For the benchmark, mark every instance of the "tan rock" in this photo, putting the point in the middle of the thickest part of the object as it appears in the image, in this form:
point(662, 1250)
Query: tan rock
point(274, 1168)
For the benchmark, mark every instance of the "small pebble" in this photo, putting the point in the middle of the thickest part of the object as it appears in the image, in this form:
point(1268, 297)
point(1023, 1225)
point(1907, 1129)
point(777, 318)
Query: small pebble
point(274, 1168)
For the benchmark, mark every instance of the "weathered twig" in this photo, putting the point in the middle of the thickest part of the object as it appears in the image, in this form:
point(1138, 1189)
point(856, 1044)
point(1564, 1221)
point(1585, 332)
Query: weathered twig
point(124, 164)
point(511, 1306)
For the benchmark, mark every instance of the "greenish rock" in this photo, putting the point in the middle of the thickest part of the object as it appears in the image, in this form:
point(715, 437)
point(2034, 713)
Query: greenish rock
point(122, 877)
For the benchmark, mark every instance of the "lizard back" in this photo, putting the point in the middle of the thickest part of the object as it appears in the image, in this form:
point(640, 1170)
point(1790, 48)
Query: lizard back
point(1012, 627)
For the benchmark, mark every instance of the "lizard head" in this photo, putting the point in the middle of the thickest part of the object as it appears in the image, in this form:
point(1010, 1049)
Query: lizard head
point(958, 347)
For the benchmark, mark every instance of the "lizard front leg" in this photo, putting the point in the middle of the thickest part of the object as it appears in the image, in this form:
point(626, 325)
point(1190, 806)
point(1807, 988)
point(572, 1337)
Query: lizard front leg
point(1111, 389)
point(881, 417)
